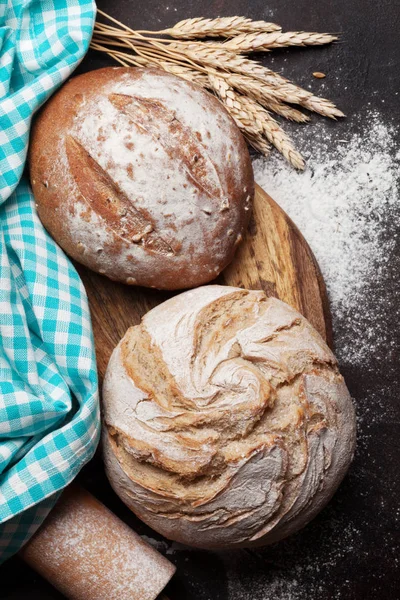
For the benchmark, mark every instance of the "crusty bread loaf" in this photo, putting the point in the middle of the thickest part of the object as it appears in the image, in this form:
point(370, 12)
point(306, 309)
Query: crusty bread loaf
point(226, 420)
point(141, 176)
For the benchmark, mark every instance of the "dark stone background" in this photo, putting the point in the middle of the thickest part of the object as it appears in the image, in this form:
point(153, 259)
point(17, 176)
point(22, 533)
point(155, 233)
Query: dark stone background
point(352, 549)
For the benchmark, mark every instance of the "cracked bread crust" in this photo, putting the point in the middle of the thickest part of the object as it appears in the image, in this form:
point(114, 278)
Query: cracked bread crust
point(141, 176)
point(226, 420)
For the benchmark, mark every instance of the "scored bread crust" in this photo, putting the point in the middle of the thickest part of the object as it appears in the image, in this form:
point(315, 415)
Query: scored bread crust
point(226, 420)
point(141, 176)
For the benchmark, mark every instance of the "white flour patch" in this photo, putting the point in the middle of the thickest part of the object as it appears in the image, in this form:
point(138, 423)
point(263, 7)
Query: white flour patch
point(346, 204)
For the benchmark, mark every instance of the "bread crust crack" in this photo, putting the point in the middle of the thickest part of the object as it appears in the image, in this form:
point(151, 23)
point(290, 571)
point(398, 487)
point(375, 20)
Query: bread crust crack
point(108, 201)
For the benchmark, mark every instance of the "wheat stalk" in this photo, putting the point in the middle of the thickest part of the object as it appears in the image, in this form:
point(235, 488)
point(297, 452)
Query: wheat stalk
point(221, 27)
point(249, 90)
point(297, 95)
point(186, 73)
point(219, 58)
point(283, 90)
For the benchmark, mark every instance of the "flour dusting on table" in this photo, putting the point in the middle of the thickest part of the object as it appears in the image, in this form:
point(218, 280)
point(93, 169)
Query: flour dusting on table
point(347, 206)
point(342, 204)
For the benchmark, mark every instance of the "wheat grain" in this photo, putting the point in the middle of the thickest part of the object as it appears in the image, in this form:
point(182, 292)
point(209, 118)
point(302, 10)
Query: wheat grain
point(198, 28)
point(270, 98)
point(260, 42)
point(218, 58)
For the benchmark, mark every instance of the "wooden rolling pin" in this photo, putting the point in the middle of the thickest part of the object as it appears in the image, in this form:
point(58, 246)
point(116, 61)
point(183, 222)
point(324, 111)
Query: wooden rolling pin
point(87, 553)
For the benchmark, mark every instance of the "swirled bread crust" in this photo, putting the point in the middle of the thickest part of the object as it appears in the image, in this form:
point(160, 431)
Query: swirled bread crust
point(227, 422)
point(142, 176)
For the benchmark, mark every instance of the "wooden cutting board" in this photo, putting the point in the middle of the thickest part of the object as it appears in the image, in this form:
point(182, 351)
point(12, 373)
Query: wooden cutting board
point(273, 257)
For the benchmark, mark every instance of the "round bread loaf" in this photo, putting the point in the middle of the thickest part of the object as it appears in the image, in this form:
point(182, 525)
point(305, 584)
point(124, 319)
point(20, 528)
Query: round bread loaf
point(226, 420)
point(142, 176)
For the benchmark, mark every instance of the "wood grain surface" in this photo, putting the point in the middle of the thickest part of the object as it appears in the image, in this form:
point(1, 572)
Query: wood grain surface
point(273, 257)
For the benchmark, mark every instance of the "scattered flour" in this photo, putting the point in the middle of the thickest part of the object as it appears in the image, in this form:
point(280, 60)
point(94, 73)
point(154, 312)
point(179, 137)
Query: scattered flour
point(345, 204)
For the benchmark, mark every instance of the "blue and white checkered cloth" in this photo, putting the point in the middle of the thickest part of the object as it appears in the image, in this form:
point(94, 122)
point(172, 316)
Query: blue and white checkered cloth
point(49, 413)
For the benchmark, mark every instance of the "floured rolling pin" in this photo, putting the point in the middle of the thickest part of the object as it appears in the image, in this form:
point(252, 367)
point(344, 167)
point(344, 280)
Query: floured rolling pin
point(87, 553)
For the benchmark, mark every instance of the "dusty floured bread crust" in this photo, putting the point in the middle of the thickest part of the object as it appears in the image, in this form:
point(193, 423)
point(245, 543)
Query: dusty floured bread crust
point(141, 176)
point(227, 422)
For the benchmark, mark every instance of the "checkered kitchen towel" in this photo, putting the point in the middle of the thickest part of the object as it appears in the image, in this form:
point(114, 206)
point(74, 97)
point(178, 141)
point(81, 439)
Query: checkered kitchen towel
point(49, 414)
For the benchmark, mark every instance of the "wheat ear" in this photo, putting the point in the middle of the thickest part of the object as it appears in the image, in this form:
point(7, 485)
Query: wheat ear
point(274, 133)
point(221, 27)
point(259, 143)
point(261, 42)
point(256, 121)
point(251, 129)
point(268, 97)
